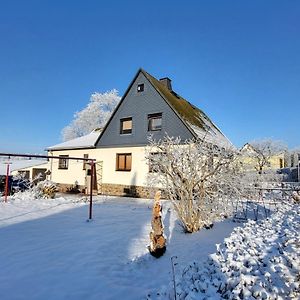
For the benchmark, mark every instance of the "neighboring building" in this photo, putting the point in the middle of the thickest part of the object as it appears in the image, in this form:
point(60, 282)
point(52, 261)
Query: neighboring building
point(149, 106)
point(292, 170)
point(276, 161)
point(293, 158)
point(29, 167)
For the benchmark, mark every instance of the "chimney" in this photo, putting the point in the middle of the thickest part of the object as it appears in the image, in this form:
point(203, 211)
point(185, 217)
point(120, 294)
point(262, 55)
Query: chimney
point(166, 81)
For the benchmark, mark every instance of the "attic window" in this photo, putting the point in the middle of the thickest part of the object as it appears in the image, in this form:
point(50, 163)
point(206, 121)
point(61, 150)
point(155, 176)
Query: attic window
point(126, 126)
point(140, 88)
point(154, 122)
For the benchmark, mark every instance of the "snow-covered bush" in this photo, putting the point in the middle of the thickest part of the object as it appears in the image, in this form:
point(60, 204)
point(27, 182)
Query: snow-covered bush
point(199, 178)
point(257, 261)
point(94, 115)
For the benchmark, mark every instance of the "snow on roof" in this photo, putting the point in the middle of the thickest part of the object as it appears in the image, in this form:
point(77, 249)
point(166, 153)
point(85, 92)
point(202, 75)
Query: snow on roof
point(212, 136)
point(86, 141)
point(19, 164)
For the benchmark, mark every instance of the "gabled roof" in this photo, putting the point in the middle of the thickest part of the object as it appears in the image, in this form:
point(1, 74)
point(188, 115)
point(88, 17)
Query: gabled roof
point(197, 122)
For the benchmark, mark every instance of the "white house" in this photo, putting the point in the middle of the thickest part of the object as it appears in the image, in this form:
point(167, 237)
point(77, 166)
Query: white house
point(149, 106)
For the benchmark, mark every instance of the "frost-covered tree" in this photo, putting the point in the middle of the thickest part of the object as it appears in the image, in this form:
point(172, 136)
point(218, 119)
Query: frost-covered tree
point(94, 115)
point(199, 178)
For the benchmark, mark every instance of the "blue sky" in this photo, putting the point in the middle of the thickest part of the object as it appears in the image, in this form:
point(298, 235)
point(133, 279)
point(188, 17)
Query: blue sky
point(239, 61)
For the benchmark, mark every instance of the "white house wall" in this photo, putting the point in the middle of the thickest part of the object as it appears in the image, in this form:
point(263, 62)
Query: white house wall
point(135, 177)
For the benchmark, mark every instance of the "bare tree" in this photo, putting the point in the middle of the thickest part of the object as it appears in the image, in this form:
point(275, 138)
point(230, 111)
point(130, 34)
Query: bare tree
point(199, 178)
point(261, 152)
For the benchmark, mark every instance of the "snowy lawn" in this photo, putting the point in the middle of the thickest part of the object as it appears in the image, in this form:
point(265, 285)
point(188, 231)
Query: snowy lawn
point(49, 251)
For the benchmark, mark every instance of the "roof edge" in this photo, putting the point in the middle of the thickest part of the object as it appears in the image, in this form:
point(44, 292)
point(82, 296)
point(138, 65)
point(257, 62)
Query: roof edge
point(119, 104)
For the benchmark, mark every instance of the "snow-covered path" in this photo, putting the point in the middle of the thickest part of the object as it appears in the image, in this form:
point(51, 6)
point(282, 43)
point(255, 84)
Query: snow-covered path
point(50, 252)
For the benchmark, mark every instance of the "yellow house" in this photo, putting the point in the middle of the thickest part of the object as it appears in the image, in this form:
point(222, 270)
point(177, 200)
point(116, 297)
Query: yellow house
point(252, 159)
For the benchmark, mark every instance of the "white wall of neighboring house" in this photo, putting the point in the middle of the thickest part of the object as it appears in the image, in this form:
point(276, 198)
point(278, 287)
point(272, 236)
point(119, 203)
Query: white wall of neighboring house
point(30, 169)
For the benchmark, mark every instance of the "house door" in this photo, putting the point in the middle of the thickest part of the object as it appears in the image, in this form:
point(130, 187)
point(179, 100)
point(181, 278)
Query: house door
point(88, 180)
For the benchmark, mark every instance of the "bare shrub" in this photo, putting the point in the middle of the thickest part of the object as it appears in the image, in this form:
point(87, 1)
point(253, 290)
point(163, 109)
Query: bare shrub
point(199, 178)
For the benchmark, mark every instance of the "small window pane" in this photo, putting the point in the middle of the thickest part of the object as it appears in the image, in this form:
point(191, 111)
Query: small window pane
point(127, 124)
point(121, 162)
point(140, 87)
point(128, 162)
point(156, 124)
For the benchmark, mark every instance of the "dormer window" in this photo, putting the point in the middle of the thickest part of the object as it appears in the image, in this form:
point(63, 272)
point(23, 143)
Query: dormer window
point(140, 88)
point(126, 126)
point(154, 122)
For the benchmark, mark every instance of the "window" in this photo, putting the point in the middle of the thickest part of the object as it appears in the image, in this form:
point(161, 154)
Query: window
point(123, 162)
point(126, 126)
point(280, 163)
point(85, 162)
point(154, 122)
point(140, 88)
point(63, 162)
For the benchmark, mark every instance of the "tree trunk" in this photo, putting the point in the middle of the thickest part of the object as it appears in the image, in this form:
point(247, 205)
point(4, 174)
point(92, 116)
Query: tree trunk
point(157, 240)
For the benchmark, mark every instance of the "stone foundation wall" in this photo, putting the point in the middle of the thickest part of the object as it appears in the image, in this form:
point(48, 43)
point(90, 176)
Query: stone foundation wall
point(117, 190)
point(126, 190)
point(63, 187)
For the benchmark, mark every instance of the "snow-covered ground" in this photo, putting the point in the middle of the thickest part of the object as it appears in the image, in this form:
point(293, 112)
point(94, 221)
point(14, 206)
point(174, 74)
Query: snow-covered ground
point(49, 251)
